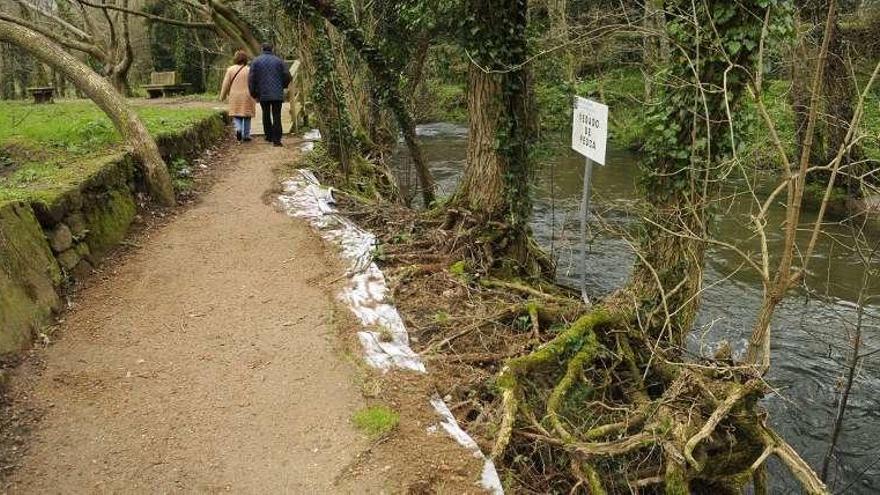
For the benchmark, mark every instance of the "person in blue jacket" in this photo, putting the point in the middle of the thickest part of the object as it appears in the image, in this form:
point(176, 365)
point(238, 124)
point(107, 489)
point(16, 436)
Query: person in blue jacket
point(267, 80)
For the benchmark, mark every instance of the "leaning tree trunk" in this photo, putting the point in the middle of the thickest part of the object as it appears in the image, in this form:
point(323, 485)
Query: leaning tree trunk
point(102, 93)
point(234, 26)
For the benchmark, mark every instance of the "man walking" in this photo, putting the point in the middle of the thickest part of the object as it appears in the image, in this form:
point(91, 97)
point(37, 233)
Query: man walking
point(266, 81)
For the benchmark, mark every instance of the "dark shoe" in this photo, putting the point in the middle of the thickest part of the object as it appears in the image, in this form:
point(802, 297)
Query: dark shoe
point(268, 139)
point(277, 145)
point(238, 135)
point(247, 139)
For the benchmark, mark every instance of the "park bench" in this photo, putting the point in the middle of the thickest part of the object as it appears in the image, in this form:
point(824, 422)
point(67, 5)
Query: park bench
point(42, 95)
point(164, 84)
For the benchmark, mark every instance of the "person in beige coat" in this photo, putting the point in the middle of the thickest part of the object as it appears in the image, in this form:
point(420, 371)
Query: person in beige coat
point(235, 87)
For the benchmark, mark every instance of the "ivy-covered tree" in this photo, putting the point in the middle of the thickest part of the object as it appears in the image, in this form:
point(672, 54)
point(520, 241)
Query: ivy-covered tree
point(497, 183)
point(693, 132)
point(328, 94)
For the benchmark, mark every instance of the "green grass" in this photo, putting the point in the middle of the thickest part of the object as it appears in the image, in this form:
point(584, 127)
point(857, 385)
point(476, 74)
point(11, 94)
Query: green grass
point(48, 148)
point(376, 421)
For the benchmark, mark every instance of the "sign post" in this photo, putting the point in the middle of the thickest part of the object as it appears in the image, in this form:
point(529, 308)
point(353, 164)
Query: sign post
point(589, 135)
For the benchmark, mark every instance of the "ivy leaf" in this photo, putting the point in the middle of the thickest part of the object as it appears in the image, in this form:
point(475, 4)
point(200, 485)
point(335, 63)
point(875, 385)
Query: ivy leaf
point(733, 47)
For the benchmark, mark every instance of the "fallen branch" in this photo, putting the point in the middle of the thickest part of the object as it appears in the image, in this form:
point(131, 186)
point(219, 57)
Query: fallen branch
point(521, 288)
point(470, 328)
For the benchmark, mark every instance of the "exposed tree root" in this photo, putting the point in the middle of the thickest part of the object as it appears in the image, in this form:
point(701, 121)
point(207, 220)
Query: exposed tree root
point(695, 428)
point(523, 289)
point(517, 368)
point(753, 386)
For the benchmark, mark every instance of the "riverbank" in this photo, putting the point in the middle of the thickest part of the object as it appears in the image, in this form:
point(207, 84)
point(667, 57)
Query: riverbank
point(462, 323)
point(808, 356)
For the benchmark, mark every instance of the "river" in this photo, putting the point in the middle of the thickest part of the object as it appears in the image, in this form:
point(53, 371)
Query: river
point(810, 334)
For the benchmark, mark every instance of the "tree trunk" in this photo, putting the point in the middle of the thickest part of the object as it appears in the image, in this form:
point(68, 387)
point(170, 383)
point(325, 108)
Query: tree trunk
point(498, 175)
point(838, 92)
point(558, 10)
point(482, 185)
point(7, 85)
point(655, 46)
point(688, 143)
point(334, 121)
point(124, 55)
point(668, 277)
point(102, 93)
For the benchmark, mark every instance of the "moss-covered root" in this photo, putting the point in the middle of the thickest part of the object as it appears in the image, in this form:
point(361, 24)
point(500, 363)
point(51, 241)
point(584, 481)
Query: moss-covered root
point(514, 369)
point(588, 476)
point(576, 365)
point(676, 482)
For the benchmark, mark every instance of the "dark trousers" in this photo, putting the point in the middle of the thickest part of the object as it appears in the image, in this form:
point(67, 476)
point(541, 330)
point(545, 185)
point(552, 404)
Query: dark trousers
point(272, 120)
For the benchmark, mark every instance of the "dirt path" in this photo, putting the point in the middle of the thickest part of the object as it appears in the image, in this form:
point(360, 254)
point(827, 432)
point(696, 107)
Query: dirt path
point(206, 362)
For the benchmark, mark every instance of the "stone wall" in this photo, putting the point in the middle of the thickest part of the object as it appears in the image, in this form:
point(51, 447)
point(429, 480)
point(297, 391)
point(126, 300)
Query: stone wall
point(29, 277)
point(44, 245)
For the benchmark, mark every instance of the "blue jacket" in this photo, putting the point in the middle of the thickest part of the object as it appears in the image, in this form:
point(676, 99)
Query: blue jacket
point(268, 77)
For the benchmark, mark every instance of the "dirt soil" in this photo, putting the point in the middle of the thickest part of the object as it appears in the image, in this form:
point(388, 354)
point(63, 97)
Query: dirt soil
point(207, 360)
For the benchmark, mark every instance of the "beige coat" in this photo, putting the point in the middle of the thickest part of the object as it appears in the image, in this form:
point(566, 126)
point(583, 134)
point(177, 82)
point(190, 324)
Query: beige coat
point(240, 102)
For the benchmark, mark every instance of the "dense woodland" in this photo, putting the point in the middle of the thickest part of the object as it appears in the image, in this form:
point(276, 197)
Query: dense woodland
point(776, 100)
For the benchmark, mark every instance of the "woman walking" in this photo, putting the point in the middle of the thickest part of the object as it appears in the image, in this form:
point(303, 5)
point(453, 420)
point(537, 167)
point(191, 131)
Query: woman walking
point(241, 105)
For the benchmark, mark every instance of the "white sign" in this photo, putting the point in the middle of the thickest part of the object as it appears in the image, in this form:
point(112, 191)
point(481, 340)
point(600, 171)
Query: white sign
point(589, 131)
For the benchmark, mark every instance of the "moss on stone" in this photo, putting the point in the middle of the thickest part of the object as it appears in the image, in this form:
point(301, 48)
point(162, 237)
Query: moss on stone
point(108, 221)
point(29, 276)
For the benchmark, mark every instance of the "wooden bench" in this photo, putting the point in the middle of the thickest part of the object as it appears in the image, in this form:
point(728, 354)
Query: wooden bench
point(165, 84)
point(42, 95)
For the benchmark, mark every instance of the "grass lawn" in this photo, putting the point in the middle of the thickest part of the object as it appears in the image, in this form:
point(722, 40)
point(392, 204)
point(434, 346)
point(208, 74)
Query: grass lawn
point(48, 148)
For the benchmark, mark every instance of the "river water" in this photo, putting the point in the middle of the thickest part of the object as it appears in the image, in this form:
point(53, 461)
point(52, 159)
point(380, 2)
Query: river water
point(811, 334)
